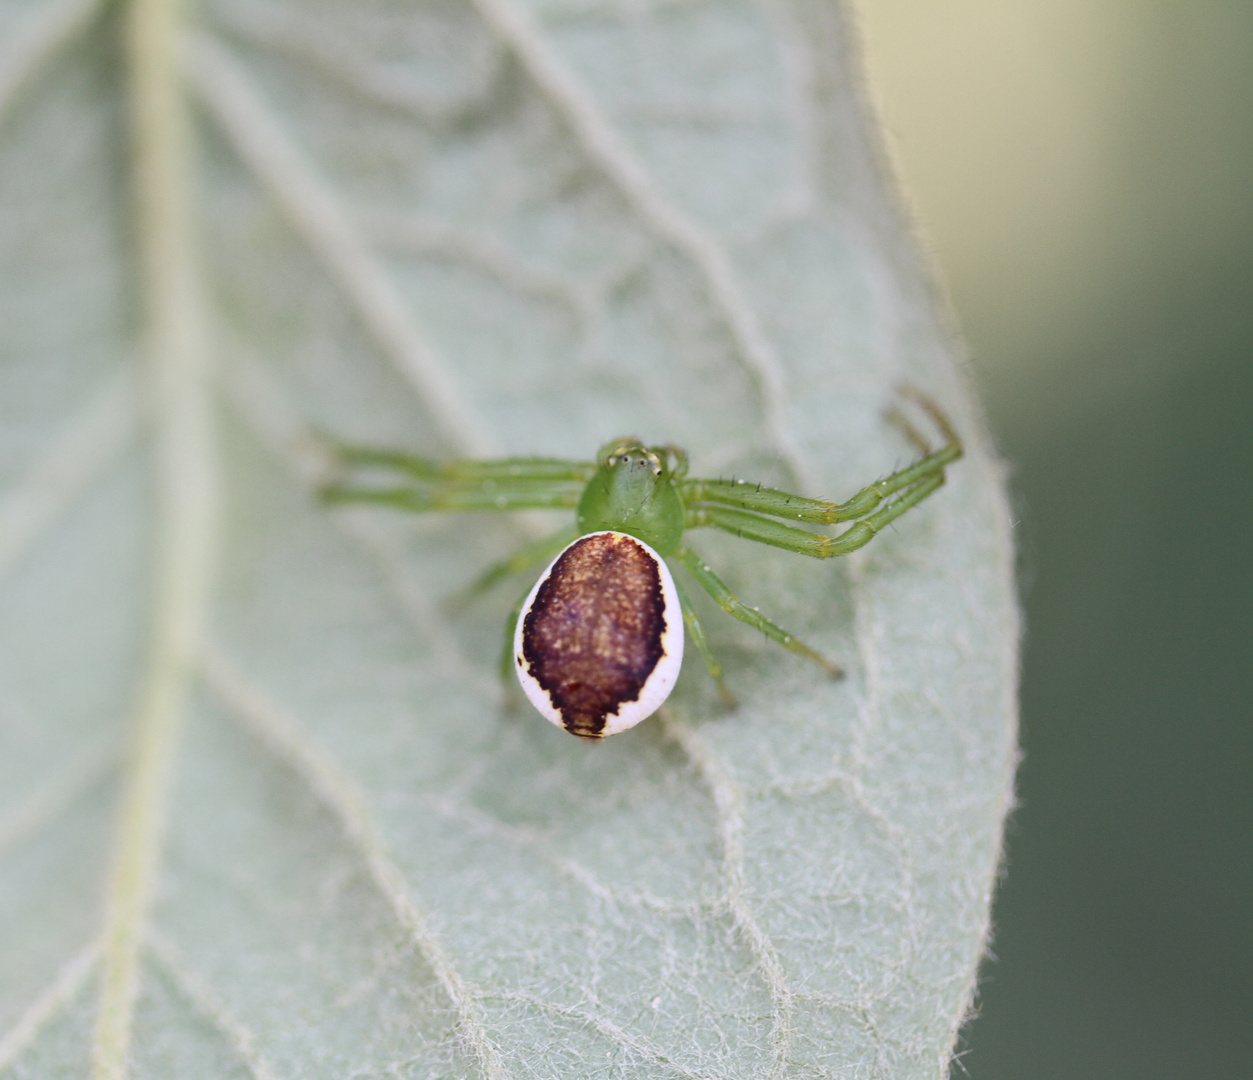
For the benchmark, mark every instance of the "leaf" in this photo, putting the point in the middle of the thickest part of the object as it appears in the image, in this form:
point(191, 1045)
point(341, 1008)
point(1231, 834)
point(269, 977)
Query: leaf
point(261, 811)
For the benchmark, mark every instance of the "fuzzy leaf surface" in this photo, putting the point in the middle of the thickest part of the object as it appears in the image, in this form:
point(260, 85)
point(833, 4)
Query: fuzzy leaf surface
point(502, 227)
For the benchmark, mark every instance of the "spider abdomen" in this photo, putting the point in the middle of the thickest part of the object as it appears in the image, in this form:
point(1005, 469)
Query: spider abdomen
point(599, 643)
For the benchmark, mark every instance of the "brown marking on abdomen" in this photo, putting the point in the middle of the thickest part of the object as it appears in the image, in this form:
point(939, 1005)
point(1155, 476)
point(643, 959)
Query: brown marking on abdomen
point(593, 634)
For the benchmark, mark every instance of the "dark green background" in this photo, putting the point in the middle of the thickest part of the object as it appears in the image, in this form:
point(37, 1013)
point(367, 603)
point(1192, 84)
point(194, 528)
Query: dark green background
point(1124, 924)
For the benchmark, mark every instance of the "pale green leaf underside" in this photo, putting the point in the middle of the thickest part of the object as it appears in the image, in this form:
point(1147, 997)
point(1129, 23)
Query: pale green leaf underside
point(472, 228)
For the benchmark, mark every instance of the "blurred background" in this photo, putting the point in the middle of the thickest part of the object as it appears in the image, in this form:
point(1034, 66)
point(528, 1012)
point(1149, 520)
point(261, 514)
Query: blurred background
point(1083, 173)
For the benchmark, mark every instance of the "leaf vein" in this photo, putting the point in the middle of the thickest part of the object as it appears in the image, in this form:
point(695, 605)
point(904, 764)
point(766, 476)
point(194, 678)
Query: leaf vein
point(203, 997)
point(37, 41)
point(82, 450)
point(174, 344)
point(618, 1035)
point(269, 27)
point(728, 799)
point(54, 796)
point(619, 163)
point(265, 407)
point(284, 736)
point(49, 1004)
point(534, 841)
point(481, 250)
point(315, 211)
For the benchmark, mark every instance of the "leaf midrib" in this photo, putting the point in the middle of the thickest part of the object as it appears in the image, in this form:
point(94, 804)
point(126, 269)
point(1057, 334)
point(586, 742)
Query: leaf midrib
point(175, 353)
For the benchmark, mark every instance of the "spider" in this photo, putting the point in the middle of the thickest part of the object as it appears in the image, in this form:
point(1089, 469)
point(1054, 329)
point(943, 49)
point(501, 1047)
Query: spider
point(598, 641)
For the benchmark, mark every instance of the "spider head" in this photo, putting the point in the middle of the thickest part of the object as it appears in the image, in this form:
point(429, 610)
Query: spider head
point(633, 492)
point(629, 450)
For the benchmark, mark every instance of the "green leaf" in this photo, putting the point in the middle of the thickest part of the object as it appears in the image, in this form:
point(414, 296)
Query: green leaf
point(261, 811)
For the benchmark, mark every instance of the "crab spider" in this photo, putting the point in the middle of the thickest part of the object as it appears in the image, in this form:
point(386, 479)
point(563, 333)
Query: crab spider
point(598, 641)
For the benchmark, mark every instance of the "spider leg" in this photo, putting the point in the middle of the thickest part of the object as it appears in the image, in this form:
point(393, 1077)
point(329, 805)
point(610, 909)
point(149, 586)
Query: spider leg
point(697, 633)
point(414, 467)
point(710, 494)
point(527, 555)
point(408, 482)
point(729, 603)
point(768, 531)
point(462, 495)
point(928, 405)
point(782, 504)
point(897, 418)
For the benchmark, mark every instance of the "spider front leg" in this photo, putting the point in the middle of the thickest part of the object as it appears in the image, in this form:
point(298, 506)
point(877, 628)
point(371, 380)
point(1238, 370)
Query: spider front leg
point(425, 469)
point(768, 531)
point(732, 605)
point(782, 504)
point(419, 485)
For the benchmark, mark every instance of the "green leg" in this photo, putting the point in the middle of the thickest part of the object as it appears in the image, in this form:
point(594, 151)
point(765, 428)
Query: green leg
point(425, 469)
point(746, 496)
point(865, 530)
point(418, 485)
point(697, 633)
point(481, 495)
point(767, 531)
point(723, 597)
point(782, 504)
point(528, 555)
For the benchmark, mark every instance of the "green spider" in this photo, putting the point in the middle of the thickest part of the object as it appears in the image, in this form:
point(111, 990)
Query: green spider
point(598, 642)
